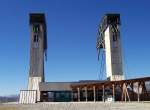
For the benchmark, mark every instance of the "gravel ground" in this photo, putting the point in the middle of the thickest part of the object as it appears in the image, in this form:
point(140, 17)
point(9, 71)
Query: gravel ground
point(77, 106)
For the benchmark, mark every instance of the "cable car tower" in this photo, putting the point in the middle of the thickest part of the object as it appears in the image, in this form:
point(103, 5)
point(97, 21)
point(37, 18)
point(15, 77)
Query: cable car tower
point(109, 40)
point(38, 48)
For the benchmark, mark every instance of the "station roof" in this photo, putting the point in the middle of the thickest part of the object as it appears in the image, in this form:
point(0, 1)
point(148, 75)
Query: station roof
point(55, 86)
point(68, 86)
point(63, 86)
point(110, 83)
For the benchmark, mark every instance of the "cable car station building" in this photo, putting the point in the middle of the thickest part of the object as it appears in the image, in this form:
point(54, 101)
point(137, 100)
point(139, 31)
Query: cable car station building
point(114, 88)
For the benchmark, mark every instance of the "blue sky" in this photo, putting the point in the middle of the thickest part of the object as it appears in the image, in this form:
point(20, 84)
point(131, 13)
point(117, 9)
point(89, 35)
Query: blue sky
point(72, 27)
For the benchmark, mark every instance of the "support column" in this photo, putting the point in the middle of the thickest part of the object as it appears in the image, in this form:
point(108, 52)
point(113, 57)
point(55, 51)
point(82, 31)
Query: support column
point(94, 94)
point(86, 94)
point(97, 94)
point(138, 94)
point(122, 92)
point(78, 94)
point(145, 91)
point(132, 91)
point(125, 92)
point(113, 87)
point(103, 93)
point(125, 97)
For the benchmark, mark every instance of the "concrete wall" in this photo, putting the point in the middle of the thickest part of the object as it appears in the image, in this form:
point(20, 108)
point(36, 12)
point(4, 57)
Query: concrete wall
point(108, 53)
point(114, 69)
point(28, 96)
point(33, 84)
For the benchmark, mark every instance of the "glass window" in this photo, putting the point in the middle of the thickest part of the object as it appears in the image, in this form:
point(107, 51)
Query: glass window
point(36, 28)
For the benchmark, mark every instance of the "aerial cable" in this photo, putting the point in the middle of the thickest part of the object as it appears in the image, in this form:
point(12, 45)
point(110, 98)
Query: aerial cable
point(99, 75)
point(102, 65)
point(103, 71)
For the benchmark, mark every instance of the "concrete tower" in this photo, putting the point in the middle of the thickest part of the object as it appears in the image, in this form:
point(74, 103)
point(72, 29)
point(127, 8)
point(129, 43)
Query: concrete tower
point(38, 46)
point(109, 39)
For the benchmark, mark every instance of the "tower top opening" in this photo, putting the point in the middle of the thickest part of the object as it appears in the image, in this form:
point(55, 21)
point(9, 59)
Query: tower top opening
point(37, 18)
point(109, 19)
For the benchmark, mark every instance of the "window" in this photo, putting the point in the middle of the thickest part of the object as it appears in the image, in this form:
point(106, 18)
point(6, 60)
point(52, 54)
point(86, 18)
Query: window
point(114, 37)
point(36, 28)
point(35, 39)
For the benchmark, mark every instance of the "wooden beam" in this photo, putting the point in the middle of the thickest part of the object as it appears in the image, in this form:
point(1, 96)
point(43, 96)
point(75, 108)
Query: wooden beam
point(94, 93)
point(127, 92)
point(132, 84)
point(78, 94)
point(124, 94)
point(86, 94)
point(113, 90)
point(138, 94)
point(122, 91)
point(145, 91)
point(103, 93)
